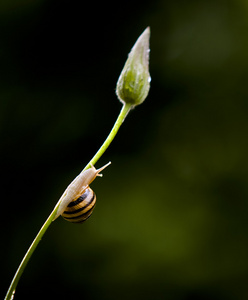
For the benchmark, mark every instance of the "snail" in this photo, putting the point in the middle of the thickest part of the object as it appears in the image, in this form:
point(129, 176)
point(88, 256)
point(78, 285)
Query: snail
point(78, 200)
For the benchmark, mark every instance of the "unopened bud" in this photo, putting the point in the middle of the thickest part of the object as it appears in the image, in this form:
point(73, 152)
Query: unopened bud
point(134, 82)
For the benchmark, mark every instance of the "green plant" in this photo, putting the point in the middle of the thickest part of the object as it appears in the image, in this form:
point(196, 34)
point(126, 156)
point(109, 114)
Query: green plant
point(132, 89)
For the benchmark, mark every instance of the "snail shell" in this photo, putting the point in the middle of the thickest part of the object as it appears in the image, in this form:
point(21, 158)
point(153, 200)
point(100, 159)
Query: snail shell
point(81, 209)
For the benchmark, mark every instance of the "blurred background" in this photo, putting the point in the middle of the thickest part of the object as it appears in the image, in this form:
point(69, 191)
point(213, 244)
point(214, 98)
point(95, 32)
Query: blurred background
point(171, 216)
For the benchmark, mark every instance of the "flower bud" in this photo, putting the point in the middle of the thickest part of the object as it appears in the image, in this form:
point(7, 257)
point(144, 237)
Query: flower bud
point(134, 82)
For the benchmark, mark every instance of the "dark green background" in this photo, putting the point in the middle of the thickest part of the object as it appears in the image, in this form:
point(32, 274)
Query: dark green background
point(171, 217)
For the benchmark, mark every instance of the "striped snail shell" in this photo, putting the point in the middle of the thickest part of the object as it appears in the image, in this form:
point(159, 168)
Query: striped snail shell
point(81, 209)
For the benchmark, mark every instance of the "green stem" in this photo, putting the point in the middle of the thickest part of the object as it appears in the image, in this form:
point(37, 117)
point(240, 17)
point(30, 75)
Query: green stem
point(11, 291)
point(18, 274)
point(124, 111)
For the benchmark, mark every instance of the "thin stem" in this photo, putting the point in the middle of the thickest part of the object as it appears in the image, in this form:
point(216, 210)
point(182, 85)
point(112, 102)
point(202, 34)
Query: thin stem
point(11, 291)
point(18, 274)
point(124, 111)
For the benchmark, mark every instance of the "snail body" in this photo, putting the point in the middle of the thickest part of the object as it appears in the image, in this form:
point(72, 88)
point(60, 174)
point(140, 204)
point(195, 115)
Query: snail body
point(77, 188)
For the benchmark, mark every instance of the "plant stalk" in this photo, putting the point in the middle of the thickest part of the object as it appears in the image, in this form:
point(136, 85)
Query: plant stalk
point(12, 288)
point(124, 111)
